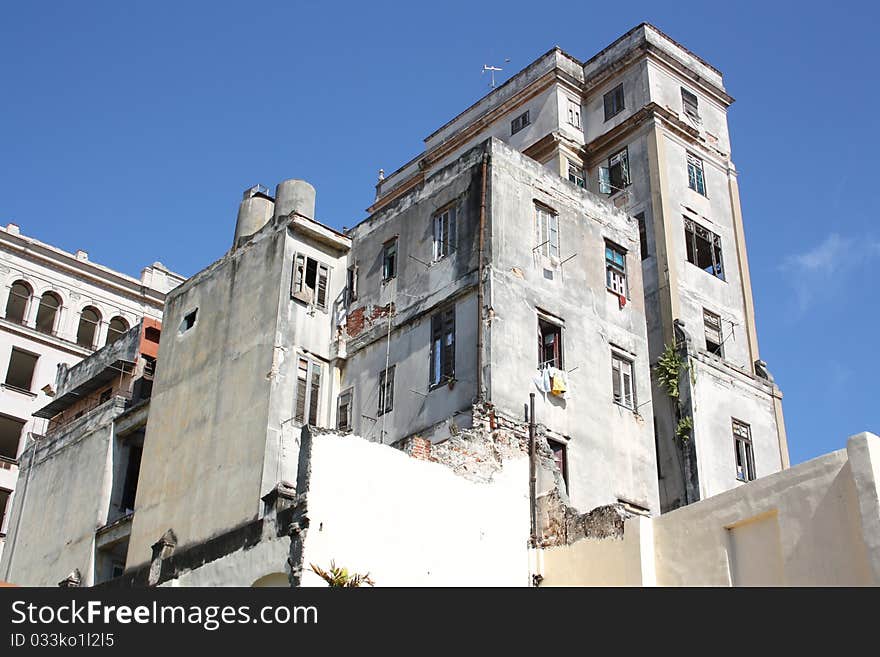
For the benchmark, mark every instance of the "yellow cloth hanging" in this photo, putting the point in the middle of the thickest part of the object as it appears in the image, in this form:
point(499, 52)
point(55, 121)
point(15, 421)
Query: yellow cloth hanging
point(557, 386)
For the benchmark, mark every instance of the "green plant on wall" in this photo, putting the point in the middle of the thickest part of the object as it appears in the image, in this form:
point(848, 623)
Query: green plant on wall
point(340, 577)
point(669, 368)
point(684, 427)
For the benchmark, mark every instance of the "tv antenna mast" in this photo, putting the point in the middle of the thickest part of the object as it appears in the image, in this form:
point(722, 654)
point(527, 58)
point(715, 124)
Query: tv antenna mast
point(492, 70)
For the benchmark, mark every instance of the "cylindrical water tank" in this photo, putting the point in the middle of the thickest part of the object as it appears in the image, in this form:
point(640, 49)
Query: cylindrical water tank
point(254, 212)
point(295, 196)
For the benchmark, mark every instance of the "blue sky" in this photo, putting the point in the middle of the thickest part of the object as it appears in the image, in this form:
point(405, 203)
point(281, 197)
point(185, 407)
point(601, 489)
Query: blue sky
point(131, 129)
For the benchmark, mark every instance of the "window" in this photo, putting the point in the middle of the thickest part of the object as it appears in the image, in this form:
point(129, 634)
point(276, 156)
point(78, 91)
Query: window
point(444, 232)
point(745, 458)
point(17, 304)
point(152, 334)
point(703, 248)
point(560, 458)
point(695, 174)
point(105, 396)
point(343, 411)
point(519, 122)
point(117, 328)
point(129, 485)
point(47, 312)
point(310, 281)
point(574, 113)
point(643, 235)
point(308, 391)
point(442, 347)
point(351, 284)
point(189, 320)
point(87, 332)
point(689, 103)
point(547, 226)
point(20, 373)
point(10, 436)
point(389, 260)
point(576, 174)
point(386, 390)
point(549, 344)
point(622, 381)
point(615, 269)
point(712, 328)
point(615, 176)
point(4, 502)
point(614, 102)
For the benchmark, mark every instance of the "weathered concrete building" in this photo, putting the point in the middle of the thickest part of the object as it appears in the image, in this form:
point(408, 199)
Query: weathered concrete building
point(57, 308)
point(575, 235)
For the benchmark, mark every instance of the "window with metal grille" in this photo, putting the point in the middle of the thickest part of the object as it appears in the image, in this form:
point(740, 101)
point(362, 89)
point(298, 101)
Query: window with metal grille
point(643, 235)
point(386, 390)
point(615, 269)
point(308, 391)
point(622, 381)
point(20, 373)
point(445, 230)
point(689, 103)
point(574, 113)
point(18, 301)
point(576, 174)
point(442, 347)
point(547, 227)
point(389, 260)
point(703, 248)
point(310, 281)
point(615, 176)
point(712, 328)
point(560, 458)
point(745, 457)
point(695, 174)
point(614, 102)
point(343, 410)
point(549, 344)
point(519, 122)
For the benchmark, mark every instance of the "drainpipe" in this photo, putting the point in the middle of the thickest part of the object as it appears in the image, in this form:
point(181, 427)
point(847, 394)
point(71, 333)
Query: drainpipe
point(532, 472)
point(480, 281)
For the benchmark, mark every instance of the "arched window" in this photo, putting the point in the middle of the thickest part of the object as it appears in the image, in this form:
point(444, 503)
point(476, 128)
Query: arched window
point(87, 333)
point(48, 312)
point(116, 329)
point(17, 305)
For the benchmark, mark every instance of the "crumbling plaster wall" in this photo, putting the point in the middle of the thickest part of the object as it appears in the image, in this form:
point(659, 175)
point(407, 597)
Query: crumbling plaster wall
point(610, 448)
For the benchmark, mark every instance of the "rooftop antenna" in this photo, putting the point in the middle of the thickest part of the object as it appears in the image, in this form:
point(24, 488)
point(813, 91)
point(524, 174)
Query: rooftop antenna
point(492, 70)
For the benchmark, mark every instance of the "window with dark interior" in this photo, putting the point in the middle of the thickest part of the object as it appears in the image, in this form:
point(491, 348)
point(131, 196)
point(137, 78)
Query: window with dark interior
point(308, 391)
point(549, 344)
point(10, 436)
point(189, 320)
point(614, 102)
point(519, 122)
point(4, 503)
point(48, 312)
point(343, 410)
point(310, 279)
point(389, 260)
point(643, 235)
point(87, 331)
point(576, 174)
point(20, 372)
point(712, 329)
point(17, 303)
point(442, 347)
point(560, 458)
point(745, 457)
point(351, 284)
point(689, 103)
point(116, 329)
point(386, 390)
point(615, 176)
point(703, 248)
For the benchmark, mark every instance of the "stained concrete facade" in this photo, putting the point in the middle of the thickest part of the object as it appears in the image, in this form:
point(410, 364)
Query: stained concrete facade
point(73, 283)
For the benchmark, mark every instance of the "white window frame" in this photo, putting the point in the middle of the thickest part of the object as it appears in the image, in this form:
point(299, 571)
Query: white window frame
point(696, 174)
point(574, 113)
point(300, 290)
point(744, 453)
point(445, 231)
point(547, 229)
point(621, 367)
point(710, 331)
point(576, 174)
point(615, 273)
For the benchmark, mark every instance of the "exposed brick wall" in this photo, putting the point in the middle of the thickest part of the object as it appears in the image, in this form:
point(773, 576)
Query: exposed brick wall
point(364, 318)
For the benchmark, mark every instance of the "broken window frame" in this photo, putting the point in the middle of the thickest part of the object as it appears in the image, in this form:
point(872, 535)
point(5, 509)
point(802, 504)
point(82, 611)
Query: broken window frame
point(547, 228)
point(389, 260)
point(560, 458)
point(623, 387)
point(690, 104)
point(696, 177)
point(344, 405)
point(386, 390)
point(643, 236)
point(520, 122)
point(576, 175)
point(744, 454)
point(694, 231)
point(616, 176)
point(712, 328)
point(300, 290)
point(445, 231)
point(614, 102)
point(21, 358)
point(615, 269)
point(309, 377)
point(442, 351)
point(552, 329)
